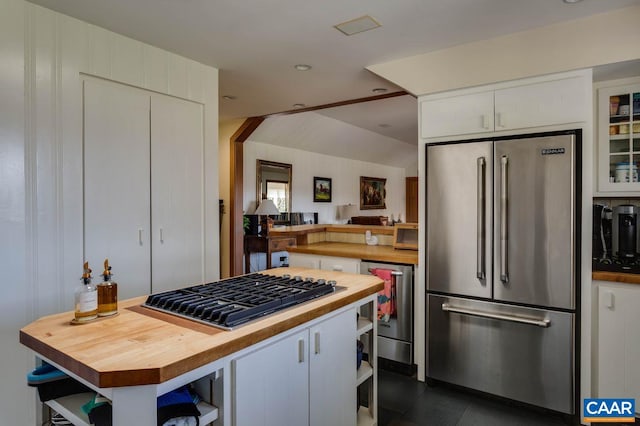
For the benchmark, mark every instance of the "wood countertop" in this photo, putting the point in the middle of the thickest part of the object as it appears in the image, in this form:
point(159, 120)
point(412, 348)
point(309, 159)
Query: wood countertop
point(618, 277)
point(359, 251)
point(140, 346)
point(354, 229)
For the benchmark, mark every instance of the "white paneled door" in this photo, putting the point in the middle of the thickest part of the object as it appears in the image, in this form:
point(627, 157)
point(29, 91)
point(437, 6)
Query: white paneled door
point(116, 184)
point(176, 193)
point(143, 187)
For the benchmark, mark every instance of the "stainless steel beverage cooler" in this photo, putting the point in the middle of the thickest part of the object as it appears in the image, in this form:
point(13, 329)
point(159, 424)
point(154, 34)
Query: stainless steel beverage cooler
point(395, 335)
point(501, 266)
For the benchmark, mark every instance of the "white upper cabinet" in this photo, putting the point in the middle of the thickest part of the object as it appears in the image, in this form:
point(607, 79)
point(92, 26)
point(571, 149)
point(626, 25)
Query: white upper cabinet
point(541, 104)
point(509, 106)
point(619, 139)
point(457, 115)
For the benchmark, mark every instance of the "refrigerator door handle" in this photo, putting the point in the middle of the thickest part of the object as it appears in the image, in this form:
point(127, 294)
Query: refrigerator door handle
point(504, 219)
point(544, 323)
point(481, 229)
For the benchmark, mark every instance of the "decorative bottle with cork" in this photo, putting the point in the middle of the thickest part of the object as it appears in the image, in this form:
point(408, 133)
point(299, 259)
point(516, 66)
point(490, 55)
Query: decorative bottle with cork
point(86, 297)
point(107, 293)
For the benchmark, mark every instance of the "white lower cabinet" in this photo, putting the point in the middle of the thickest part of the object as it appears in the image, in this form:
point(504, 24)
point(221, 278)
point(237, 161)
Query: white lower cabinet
point(618, 341)
point(327, 263)
point(306, 378)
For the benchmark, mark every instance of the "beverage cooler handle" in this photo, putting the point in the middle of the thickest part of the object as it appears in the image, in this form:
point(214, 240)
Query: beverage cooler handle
point(504, 219)
point(481, 230)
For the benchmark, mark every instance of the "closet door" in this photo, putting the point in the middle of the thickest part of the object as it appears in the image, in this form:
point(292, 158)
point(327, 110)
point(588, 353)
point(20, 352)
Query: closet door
point(177, 193)
point(116, 184)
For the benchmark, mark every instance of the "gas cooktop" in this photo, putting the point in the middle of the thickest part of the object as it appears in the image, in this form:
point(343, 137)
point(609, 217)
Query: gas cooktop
point(235, 301)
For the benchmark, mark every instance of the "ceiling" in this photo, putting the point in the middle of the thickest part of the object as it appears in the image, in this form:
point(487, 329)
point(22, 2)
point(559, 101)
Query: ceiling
point(256, 43)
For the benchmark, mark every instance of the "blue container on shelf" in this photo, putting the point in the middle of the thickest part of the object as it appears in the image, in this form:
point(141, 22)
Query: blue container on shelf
point(626, 172)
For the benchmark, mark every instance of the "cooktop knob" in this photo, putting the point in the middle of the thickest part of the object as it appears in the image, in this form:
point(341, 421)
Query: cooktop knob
point(297, 278)
point(308, 280)
point(286, 276)
point(332, 283)
point(322, 281)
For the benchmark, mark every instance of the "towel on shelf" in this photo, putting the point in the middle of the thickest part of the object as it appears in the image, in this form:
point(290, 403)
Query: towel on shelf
point(386, 301)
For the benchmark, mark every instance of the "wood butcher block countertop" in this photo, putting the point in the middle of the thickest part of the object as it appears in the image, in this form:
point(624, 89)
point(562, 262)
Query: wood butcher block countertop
point(140, 346)
point(618, 277)
point(359, 251)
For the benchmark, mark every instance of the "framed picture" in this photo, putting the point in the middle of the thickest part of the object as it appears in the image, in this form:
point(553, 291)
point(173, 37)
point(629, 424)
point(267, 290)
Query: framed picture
point(321, 190)
point(372, 193)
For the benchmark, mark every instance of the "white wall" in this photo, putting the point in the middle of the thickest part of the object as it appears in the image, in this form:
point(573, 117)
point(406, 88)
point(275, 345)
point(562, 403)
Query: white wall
point(345, 175)
point(42, 56)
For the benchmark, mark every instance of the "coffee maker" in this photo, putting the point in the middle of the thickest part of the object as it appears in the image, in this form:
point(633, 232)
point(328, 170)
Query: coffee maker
point(601, 235)
point(625, 233)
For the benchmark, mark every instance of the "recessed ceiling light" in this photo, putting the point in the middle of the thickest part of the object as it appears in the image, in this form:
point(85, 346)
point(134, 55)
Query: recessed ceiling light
point(358, 25)
point(302, 67)
point(229, 97)
point(299, 105)
point(379, 90)
point(571, 1)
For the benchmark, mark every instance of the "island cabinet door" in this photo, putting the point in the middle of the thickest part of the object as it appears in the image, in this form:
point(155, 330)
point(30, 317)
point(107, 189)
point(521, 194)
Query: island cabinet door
point(271, 384)
point(332, 384)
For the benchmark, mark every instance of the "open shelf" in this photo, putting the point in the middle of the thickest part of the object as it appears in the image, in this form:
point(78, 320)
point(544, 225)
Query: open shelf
point(365, 418)
point(364, 325)
point(70, 407)
point(364, 372)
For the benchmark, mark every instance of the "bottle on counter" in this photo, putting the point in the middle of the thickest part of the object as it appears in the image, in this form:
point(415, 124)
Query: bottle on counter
point(86, 298)
point(107, 293)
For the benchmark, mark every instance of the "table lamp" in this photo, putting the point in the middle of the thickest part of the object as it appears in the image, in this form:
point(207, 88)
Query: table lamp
point(266, 208)
point(346, 212)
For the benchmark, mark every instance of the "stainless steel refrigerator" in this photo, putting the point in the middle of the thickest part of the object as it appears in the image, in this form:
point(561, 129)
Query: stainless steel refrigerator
point(502, 232)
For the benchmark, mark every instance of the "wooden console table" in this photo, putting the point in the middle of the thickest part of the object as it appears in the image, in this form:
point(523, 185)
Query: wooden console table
point(268, 245)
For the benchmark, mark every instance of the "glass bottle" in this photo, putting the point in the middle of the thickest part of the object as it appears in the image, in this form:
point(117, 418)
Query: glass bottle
point(107, 293)
point(86, 298)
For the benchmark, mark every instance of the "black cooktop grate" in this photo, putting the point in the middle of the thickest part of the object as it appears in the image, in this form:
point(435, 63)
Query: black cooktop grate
point(235, 301)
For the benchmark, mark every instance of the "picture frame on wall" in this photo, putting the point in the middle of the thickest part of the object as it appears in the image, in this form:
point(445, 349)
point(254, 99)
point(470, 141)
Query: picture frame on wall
point(321, 189)
point(372, 193)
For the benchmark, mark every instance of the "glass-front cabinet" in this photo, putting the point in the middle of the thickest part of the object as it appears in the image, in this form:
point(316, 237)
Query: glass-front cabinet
point(619, 139)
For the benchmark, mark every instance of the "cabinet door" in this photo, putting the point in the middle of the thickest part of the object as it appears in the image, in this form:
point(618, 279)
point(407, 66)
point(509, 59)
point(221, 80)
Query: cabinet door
point(340, 264)
point(271, 384)
point(457, 115)
point(332, 383)
point(177, 208)
point(619, 139)
point(116, 183)
point(300, 260)
point(541, 104)
point(618, 341)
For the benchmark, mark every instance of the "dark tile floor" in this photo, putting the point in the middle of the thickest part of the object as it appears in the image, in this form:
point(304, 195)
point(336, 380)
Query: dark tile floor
point(404, 401)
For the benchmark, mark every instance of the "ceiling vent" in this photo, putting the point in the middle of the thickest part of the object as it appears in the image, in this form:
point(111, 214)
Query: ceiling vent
point(358, 25)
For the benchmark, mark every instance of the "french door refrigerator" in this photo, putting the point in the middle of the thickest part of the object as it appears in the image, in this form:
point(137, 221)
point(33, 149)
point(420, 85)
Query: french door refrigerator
point(501, 251)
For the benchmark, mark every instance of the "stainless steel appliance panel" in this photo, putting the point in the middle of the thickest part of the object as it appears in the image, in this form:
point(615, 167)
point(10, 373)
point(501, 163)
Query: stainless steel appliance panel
point(396, 350)
point(534, 221)
point(459, 220)
point(519, 353)
point(395, 337)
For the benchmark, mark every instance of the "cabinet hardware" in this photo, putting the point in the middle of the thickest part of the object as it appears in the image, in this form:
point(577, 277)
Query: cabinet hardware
point(300, 351)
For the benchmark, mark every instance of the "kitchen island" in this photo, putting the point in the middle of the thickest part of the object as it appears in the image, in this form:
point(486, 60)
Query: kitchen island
point(134, 357)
